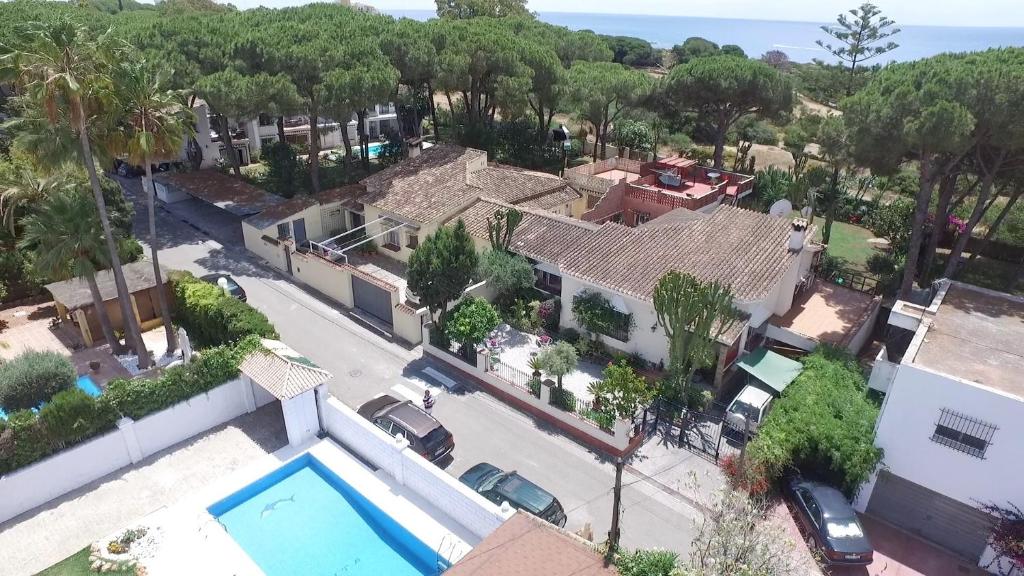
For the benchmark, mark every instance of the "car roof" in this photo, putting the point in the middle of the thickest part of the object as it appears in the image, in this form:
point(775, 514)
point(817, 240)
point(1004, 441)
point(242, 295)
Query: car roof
point(753, 395)
point(831, 501)
point(412, 418)
point(526, 493)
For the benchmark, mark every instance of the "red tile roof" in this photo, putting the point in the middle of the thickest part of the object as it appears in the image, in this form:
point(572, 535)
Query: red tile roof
point(527, 546)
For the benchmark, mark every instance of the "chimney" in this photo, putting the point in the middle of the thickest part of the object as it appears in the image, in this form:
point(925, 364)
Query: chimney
point(797, 235)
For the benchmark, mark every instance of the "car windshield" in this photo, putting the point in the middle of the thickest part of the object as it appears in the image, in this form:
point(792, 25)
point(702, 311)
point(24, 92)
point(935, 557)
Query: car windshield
point(743, 409)
point(526, 493)
point(843, 528)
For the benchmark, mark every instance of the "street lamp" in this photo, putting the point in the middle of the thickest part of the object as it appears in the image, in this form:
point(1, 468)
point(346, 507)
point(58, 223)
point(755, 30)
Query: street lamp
point(561, 134)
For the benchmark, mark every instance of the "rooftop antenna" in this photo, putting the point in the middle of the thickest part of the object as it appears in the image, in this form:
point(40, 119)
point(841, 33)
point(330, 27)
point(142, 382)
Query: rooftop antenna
point(781, 209)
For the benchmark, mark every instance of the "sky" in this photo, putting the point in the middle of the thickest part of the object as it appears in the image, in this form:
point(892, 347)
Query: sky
point(1008, 13)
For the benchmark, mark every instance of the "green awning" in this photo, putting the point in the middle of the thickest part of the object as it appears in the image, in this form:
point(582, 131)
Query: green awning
point(773, 369)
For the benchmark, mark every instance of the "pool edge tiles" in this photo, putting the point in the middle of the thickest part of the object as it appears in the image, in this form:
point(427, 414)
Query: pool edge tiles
point(381, 538)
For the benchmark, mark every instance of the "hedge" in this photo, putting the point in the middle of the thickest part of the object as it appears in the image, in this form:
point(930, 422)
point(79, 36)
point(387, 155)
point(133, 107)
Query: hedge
point(33, 378)
point(72, 416)
point(213, 318)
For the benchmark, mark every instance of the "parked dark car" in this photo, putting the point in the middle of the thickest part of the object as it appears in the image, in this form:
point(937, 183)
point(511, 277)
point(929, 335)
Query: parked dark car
point(403, 418)
point(499, 486)
point(830, 523)
point(233, 288)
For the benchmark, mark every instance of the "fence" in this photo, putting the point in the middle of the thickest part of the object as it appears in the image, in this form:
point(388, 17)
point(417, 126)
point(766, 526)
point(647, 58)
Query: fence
point(514, 376)
point(702, 432)
point(38, 483)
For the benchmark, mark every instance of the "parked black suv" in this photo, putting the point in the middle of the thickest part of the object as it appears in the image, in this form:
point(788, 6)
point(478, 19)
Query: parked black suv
point(403, 418)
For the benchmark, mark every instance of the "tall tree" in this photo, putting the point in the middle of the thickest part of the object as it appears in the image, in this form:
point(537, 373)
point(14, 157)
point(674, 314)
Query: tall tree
point(832, 139)
point(62, 70)
point(860, 38)
point(23, 187)
point(694, 47)
point(723, 89)
point(66, 236)
point(601, 91)
point(441, 268)
point(694, 315)
point(465, 9)
point(153, 124)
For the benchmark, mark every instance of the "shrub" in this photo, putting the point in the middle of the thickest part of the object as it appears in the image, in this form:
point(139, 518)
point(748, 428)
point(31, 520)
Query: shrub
point(548, 312)
point(72, 416)
point(28, 438)
point(748, 477)
point(604, 420)
point(563, 399)
point(647, 563)
point(215, 366)
point(33, 378)
point(570, 335)
point(595, 313)
point(534, 385)
point(823, 425)
point(698, 399)
point(471, 320)
point(213, 318)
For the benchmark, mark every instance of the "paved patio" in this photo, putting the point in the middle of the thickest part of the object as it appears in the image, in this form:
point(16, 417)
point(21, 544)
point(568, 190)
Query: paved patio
point(54, 531)
point(516, 349)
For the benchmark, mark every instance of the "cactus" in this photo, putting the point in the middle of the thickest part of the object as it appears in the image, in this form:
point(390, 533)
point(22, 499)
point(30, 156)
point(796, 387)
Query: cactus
point(500, 230)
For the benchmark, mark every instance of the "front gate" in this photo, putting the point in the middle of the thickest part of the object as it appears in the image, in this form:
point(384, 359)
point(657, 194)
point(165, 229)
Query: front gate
point(701, 432)
point(372, 299)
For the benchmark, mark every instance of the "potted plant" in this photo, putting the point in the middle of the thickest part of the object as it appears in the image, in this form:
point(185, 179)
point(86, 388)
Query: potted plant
point(536, 365)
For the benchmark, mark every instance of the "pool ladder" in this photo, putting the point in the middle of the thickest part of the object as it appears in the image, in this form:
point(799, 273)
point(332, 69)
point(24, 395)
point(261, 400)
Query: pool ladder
point(444, 559)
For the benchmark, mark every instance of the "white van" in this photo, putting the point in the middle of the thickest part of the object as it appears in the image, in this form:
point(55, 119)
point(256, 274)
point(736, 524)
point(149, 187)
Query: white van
point(751, 404)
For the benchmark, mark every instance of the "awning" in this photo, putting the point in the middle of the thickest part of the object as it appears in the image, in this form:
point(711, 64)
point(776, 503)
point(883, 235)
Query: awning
point(773, 369)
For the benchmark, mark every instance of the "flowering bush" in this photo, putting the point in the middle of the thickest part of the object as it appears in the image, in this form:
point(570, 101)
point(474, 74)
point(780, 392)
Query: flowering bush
point(1008, 535)
point(748, 477)
point(957, 222)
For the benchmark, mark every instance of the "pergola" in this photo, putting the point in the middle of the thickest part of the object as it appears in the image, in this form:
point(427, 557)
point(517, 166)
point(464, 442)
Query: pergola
point(293, 379)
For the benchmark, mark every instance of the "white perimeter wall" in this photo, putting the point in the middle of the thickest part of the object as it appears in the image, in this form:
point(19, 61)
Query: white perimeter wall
point(907, 422)
point(411, 470)
point(37, 484)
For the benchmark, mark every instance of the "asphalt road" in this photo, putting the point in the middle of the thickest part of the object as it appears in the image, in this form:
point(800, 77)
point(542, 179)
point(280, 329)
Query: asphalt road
point(364, 364)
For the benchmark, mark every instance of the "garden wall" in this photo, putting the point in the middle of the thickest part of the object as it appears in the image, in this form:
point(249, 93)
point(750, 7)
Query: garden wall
point(411, 470)
point(38, 483)
point(616, 442)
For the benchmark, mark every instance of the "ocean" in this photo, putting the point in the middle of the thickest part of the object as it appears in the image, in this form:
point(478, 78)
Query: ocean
point(796, 39)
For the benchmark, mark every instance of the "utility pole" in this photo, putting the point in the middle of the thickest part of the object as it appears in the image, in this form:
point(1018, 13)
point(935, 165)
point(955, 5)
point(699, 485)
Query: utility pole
point(613, 534)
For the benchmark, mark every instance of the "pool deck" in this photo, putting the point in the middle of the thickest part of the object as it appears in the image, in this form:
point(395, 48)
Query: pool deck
point(193, 541)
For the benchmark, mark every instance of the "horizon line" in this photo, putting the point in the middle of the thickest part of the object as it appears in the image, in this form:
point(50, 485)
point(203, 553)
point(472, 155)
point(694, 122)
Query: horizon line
point(640, 15)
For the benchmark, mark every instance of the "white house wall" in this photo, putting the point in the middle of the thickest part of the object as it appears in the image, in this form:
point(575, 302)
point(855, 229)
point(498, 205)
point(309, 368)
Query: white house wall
point(912, 406)
point(254, 242)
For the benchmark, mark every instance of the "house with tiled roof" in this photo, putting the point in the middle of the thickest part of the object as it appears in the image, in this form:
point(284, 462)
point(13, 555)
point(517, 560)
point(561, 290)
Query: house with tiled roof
point(766, 261)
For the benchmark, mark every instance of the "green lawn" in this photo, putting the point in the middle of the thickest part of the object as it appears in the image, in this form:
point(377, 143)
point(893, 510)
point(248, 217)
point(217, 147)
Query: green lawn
point(848, 242)
point(78, 565)
point(987, 273)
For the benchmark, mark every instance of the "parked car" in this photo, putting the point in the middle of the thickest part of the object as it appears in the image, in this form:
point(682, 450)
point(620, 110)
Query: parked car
point(403, 418)
point(233, 288)
point(830, 523)
point(751, 404)
point(499, 486)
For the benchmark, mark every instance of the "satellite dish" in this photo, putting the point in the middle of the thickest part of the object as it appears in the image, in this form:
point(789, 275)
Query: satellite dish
point(781, 208)
point(806, 212)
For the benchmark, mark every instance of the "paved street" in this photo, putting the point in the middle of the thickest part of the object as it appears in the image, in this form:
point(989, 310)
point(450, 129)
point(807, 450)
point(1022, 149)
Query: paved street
point(365, 364)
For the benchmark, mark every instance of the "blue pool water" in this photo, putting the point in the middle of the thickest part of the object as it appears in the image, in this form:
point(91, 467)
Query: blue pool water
point(303, 520)
point(84, 382)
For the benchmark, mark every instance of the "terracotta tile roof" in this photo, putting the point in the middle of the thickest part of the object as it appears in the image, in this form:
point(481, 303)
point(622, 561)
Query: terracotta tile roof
point(527, 546)
point(677, 217)
point(541, 235)
point(445, 178)
point(281, 211)
point(282, 371)
point(347, 195)
point(748, 250)
point(226, 192)
point(426, 187)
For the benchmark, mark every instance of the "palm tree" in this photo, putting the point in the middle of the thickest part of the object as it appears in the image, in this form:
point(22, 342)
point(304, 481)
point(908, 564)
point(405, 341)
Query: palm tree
point(65, 233)
point(23, 188)
point(64, 73)
point(153, 125)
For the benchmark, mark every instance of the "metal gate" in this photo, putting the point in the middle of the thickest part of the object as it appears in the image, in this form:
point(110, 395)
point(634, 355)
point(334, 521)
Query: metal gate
point(698, 432)
point(372, 299)
point(955, 526)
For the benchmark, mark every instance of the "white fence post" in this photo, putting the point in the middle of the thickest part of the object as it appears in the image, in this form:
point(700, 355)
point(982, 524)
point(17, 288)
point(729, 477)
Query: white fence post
point(545, 393)
point(398, 459)
point(127, 428)
point(248, 395)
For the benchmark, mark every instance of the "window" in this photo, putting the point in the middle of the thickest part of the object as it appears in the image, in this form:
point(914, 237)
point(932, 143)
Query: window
point(267, 119)
point(642, 217)
point(412, 241)
point(963, 433)
point(548, 282)
point(392, 239)
point(267, 142)
point(284, 230)
point(592, 200)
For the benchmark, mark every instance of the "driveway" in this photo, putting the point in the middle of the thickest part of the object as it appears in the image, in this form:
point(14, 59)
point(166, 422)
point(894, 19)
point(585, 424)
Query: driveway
point(50, 533)
point(365, 364)
point(220, 225)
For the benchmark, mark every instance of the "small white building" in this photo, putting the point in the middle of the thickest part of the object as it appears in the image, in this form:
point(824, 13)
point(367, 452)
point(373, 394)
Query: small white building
point(953, 417)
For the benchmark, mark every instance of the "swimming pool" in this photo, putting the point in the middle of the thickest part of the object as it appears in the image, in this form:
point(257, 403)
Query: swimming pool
point(302, 519)
point(85, 382)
